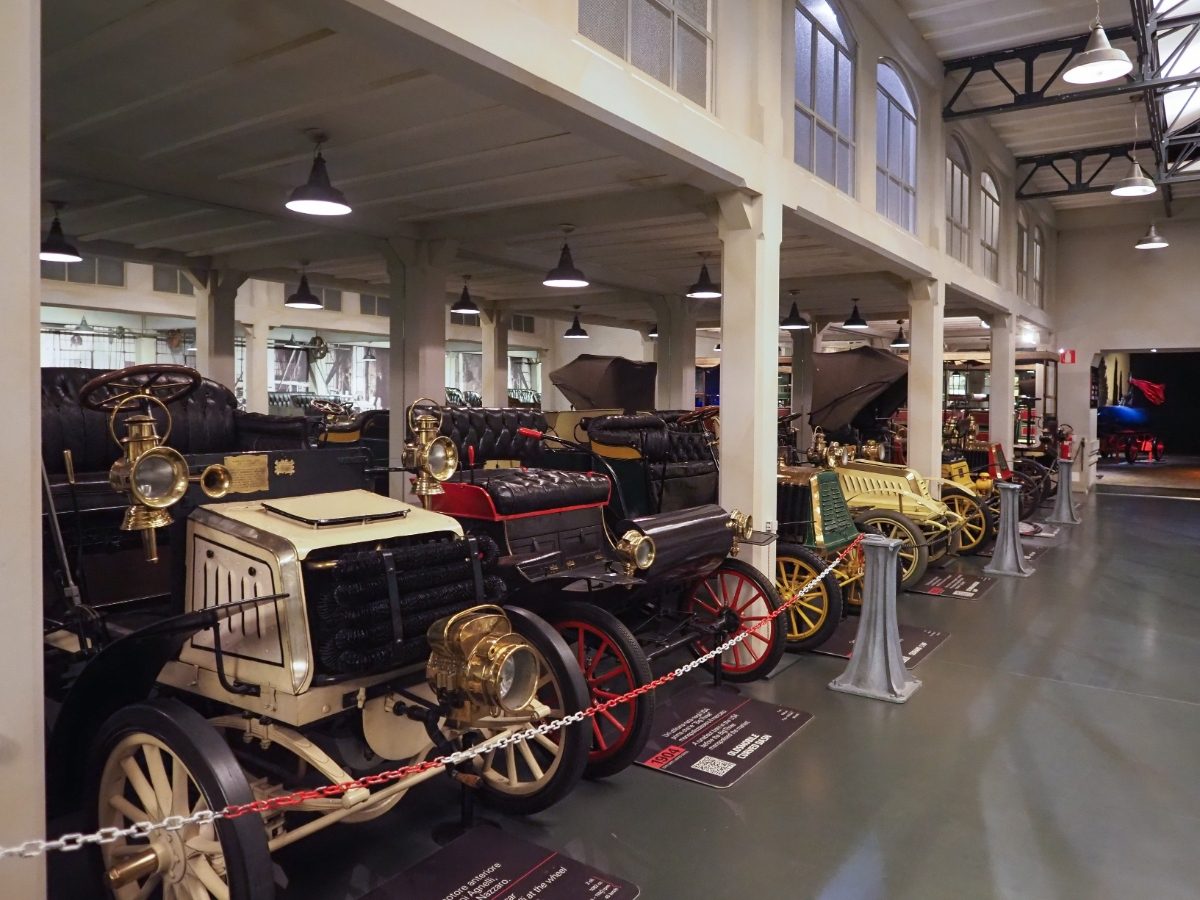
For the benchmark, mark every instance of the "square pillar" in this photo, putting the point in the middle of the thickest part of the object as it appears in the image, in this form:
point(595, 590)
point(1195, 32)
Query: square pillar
point(258, 360)
point(803, 371)
point(216, 324)
point(1001, 412)
point(417, 331)
point(927, 308)
point(21, 705)
point(675, 353)
point(494, 325)
point(751, 230)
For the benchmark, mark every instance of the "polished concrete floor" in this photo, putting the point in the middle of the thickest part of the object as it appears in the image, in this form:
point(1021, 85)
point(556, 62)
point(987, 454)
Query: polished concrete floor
point(1052, 752)
point(1173, 475)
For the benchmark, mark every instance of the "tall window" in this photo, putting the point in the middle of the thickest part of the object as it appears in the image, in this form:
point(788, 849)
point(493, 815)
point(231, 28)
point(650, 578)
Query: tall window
point(670, 40)
point(1037, 266)
point(958, 202)
point(170, 280)
point(895, 148)
point(989, 225)
point(1022, 255)
point(89, 270)
point(824, 93)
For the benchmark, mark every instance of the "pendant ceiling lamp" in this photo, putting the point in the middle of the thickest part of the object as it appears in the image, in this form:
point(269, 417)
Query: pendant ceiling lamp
point(704, 289)
point(1152, 240)
point(565, 274)
point(653, 332)
point(304, 298)
point(717, 349)
point(794, 321)
point(1136, 184)
point(855, 322)
point(317, 196)
point(56, 247)
point(464, 305)
point(899, 342)
point(575, 332)
point(369, 356)
point(1099, 61)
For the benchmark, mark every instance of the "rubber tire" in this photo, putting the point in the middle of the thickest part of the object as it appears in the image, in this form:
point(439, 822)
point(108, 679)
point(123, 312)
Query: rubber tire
point(575, 739)
point(833, 595)
point(1158, 451)
point(972, 501)
point(1030, 496)
point(1131, 452)
point(214, 768)
point(916, 541)
point(778, 635)
point(622, 639)
point(1038, 473)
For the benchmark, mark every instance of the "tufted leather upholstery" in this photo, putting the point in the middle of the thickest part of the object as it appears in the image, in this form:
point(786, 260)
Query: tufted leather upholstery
point(678, 466)
point(493, 433)
point(515, 491)
point(206, 422)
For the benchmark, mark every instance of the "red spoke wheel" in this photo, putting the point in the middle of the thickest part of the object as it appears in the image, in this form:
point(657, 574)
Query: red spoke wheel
point(613, 663)
point(745, 599)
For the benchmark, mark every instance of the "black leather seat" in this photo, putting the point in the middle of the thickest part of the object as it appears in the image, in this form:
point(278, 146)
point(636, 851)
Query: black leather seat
point(208, 421)
point(678, 466)
point(516, 491)
point(484, 435)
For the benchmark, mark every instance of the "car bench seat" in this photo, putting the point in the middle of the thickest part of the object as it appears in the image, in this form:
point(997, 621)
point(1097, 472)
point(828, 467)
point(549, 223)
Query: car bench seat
point(678, 467)
point(528, 481)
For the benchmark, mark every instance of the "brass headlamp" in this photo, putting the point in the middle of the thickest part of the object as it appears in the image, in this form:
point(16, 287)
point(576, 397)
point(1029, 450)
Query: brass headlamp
point(432, 458)
point(153, 475)
point(817, 449)
point(476, 659)
point(637, 550)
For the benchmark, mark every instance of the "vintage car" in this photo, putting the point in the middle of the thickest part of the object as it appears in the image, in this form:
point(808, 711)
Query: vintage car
point(897, 501)
point(307, 639)
point(815, 525)
point(619, 543)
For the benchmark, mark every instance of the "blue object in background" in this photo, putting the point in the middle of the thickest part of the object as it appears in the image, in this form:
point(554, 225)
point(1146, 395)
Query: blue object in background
point(1120, 418)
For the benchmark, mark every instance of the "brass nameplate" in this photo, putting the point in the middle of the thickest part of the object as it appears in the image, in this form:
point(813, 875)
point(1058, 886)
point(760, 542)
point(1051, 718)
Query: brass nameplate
point(248, 473)
point(285, 467)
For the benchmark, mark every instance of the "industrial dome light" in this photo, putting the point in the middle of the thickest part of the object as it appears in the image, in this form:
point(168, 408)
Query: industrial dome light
point(565, 274)
point(1152, 240)
point(56, 247)
point(704, 288)
point(317, 196)
point(855, 322)
point(1136, 185)
point(1099, 61)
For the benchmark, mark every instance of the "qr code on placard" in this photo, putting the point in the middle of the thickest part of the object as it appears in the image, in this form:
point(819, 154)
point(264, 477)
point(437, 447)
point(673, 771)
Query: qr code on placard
point(712, 765)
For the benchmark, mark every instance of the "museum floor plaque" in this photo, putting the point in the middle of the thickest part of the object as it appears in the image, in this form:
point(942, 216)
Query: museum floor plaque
point(486, 863)
point(715, 735)
point(915, 643)
point(967, 585)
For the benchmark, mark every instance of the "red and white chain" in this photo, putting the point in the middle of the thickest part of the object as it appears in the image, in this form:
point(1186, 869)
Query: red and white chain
point(74, 841)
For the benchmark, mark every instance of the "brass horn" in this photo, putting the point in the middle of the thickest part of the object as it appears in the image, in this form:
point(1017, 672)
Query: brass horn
point(215, 481)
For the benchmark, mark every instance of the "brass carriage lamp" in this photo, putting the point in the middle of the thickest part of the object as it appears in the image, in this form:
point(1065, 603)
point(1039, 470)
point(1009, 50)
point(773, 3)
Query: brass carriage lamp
point(432, 458)
point(477, 659)
point(154, 476)
point(637, 550)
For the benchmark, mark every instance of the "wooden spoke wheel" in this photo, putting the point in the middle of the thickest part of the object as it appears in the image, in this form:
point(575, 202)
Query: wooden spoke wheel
point(976, 531)
point(914, 552)
point(613, 663)
point(740, 597)
point(532, 775)
point(812, 617)
point(161, 758)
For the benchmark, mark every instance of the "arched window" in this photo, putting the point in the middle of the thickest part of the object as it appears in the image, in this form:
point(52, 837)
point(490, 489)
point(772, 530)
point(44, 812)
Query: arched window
point(824, 116)
point(1037, 266)
point(895, 148)
point(1022, 255)
point(958, 202)
point(989, 225)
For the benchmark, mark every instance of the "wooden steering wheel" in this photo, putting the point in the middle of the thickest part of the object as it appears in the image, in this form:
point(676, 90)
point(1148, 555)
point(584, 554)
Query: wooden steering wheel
point(701, 414)
point(162, 382)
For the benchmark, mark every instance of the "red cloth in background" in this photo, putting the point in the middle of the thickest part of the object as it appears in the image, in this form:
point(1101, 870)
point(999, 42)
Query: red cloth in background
point(1155, 393)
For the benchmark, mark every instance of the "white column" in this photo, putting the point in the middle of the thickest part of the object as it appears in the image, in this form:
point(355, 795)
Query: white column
point(927, 306)
point(216, 325)
point(751, 230)
point(803, 371)
point(494, 325)
point(1001, 411)
point(675, 353)
point(145, 349)
point(21, 725)
point(258, 359)
point(418, 335)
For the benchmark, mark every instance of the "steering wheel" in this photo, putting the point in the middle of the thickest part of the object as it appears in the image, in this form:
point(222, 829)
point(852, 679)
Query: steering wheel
point(702, 414)
point(328, 408)
point(165, 383)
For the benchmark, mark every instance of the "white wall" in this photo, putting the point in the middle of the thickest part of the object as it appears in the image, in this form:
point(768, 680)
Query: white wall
point(1111, 296)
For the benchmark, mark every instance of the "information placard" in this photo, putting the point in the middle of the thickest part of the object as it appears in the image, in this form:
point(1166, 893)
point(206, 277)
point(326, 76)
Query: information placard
point(954, 584)
point(915, 643)
point(489, 864)
point(714, 735)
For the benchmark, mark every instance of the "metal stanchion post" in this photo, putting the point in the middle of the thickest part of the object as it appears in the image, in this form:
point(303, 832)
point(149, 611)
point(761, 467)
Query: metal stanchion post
point(1008, 557)
point(876, 668)
point(1064, 510)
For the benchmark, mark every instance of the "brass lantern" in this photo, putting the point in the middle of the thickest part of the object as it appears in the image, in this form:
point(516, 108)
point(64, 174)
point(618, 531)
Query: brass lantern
point(431, 458)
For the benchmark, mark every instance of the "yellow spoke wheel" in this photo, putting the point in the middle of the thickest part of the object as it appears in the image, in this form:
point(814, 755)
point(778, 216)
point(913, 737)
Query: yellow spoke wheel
point(914, 552)
point(813, 616)
point(977, 526)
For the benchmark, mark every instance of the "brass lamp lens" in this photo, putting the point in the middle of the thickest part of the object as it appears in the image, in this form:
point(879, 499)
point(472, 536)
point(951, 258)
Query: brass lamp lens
point(518, 678)
point(441, 458)
point(158, 478)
